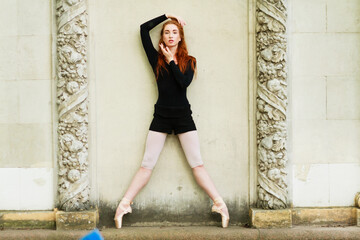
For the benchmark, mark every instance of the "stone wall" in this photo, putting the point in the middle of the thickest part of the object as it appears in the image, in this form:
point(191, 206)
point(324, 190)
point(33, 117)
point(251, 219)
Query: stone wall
point(325, 96)
point(26, 105)
point(323, 91)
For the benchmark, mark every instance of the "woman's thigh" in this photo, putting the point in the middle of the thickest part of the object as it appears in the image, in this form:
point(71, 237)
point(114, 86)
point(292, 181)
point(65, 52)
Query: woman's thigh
point(191, 146)
point(154, 144)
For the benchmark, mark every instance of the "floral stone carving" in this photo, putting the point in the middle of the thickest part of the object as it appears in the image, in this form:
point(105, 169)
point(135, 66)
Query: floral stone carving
point(271, 102)
point(72, 100)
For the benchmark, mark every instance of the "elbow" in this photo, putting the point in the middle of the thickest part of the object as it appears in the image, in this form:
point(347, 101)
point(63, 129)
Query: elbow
point(142, 27)
point(187, 83)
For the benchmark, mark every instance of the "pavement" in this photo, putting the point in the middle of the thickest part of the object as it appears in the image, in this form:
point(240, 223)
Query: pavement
point(194, 233)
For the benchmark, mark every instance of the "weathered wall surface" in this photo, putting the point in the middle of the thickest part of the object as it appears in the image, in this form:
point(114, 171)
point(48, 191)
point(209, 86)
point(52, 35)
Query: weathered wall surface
point(126, 92)
point(26, 160)
point(325, 67)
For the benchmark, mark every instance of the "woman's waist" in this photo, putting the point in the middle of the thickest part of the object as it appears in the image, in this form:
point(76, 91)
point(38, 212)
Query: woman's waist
point(172, 111)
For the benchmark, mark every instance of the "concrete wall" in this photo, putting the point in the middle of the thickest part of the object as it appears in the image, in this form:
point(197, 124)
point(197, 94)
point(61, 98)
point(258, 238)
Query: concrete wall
point(325, 67)
point(126, 93)
point(26, 144)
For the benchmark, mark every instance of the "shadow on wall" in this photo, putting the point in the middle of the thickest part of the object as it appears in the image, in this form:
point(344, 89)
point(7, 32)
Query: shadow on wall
point(194, 213)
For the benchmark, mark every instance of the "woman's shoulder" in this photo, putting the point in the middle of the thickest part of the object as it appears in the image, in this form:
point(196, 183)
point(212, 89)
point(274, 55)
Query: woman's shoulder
point(191, 59)
point(191, 63)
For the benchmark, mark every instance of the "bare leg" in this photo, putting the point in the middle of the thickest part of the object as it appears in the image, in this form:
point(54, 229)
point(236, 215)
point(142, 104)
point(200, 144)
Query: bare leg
point(191, 146)
point(154, 144)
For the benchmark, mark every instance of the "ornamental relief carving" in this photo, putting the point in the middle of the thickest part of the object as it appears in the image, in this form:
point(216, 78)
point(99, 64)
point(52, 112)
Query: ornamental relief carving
point(72, 101)
point(271, 102)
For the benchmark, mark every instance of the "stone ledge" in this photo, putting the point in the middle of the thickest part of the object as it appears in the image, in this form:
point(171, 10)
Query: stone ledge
point(82, 220)
point(261, 218)
point(27, 220)
point(344, 216)
point(194, 233)
point(331, 216)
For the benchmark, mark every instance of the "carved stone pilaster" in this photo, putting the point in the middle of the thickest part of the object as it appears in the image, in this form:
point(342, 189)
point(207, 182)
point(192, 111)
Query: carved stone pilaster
point(72, 100)
point(271, 102)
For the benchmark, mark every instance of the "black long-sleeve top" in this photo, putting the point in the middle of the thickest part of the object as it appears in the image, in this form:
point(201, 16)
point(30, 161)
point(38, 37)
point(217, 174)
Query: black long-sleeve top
point(172, 83)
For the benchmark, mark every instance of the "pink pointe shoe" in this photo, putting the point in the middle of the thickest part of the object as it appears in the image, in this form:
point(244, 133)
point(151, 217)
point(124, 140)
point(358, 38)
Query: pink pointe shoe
point(215, 208)
point(125, 210)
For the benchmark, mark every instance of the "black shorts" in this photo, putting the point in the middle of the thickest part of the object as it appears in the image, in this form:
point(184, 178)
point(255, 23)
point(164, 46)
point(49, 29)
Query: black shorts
point(166, 119)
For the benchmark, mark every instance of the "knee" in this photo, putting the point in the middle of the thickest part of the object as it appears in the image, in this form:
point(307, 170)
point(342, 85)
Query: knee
point(148, 162)
point(147, 166)
point(198, 167)
point(196, 162)
point(145, 170)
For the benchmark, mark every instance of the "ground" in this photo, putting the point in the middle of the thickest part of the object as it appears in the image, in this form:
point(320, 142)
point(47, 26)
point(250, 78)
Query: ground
point(194, 233)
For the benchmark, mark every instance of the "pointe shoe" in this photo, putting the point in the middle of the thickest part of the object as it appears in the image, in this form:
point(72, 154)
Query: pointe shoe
point(224, 219)
point(118, 219)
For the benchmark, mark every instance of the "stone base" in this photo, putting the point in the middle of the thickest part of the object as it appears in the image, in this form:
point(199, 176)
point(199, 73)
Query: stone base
point(27, 220)
point(270, 218)
point(82, 220)
point(343, 216)
point(335, 216)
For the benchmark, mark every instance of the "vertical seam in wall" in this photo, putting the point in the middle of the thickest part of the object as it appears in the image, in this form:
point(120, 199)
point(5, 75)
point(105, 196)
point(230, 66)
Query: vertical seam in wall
point(289, 110)
point(326, 18)
point(52, 85)
point(326, 98)
point(96, 115)
point(51, 76)
point(17, 82)
point(249, 107)
point(328, 184)
point(17, 66)
point(54, 119)
point(91, 68)
point(251, 100)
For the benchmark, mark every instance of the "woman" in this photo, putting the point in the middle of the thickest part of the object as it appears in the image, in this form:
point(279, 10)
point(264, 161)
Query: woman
point(174, 70)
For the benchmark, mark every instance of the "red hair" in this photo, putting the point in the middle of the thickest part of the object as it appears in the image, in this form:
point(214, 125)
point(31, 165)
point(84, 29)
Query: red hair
point(182, 56)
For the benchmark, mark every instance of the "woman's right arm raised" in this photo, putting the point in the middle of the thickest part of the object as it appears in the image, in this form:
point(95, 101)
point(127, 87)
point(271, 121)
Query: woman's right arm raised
point(145, 28)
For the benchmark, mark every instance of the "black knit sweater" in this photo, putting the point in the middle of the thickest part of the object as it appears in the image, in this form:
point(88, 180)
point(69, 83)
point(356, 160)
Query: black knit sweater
point(172, 83)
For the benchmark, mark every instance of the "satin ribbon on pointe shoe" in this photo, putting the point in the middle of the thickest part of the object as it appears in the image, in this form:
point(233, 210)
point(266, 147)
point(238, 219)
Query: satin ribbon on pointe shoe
point(118, 219)
point(224, 218)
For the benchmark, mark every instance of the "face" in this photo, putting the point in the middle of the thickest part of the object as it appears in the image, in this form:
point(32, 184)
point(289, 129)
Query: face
point(171, 35)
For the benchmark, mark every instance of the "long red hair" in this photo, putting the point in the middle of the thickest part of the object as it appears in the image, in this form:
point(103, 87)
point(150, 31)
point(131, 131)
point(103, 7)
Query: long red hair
point(182, 56)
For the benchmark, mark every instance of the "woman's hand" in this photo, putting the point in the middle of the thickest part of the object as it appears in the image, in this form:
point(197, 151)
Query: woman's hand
point(177, 18)
point(167, 53)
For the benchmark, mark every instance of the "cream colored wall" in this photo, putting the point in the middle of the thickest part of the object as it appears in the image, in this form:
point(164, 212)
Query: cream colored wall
point(126, 92)
point(26, 154)
point(324, 103)
point(324, 64)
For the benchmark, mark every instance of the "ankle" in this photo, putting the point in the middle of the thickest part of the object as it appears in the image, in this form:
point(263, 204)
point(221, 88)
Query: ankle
point(124, 204)
point(126, 201)
point(218, 200)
